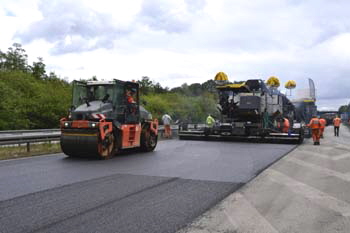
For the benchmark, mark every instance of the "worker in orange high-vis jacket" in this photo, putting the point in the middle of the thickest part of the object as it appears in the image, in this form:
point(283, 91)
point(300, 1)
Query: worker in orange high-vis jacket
point(315, 127)
point(336, 123)
point(284, 125)
point(323, 123)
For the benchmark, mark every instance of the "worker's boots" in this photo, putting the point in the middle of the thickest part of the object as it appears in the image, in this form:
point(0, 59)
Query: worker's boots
point(316, 143)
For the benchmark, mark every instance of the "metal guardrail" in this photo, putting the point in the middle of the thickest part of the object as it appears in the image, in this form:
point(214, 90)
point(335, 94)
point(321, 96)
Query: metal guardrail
point(10, 140)
point(28, 131)
point(27, 137)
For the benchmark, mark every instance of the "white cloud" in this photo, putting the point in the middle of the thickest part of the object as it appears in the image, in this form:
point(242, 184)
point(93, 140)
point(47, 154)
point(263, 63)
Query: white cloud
point(72, 27)
point(172, 16)
point(189, 40)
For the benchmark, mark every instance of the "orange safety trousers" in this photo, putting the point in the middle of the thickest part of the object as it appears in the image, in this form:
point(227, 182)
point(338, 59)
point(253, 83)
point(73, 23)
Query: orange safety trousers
point(321, 131)
point(316, 135)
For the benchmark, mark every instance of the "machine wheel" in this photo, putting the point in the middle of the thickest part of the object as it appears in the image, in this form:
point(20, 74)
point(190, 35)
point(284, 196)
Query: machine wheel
point(148, 140)
point(107, 147)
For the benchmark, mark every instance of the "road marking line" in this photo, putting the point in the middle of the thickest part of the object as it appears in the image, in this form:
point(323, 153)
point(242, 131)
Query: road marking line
point(244, 217)
point(316, 196)
point(334, 158)
point(324, 170)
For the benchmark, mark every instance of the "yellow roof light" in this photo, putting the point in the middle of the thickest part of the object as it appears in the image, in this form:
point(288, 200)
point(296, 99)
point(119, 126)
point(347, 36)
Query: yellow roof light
point(273, 82)
point(221, 76)
point(290, 84)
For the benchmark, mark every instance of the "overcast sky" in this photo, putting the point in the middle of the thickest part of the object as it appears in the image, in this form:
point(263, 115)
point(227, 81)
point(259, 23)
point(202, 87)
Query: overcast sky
point(177, 41)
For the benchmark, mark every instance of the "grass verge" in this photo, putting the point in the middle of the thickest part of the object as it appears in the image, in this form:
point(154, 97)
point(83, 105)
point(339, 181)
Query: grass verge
point(15, 151)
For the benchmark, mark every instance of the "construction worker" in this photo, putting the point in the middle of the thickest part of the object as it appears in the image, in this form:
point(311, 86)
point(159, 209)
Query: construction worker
point(315, 127)
point(210, 121)
point(129, 97)
point(131, 106)
point(286, 125)
point(283, 124)
point(166, 121)
point(323, 123)
point(336, 123)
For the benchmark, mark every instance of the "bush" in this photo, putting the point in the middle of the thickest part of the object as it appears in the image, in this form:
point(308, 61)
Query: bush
point(30, 103)
point(181, 107)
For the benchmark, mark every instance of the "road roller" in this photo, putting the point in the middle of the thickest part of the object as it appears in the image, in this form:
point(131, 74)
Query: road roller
point(105, 118)
point(251, 111)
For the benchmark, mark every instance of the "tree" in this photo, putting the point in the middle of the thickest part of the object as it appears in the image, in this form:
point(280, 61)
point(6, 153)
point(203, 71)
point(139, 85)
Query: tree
point(14, 59)
point(2, 60)
point(53, 76)
point(159, 89)
point(185, 89)
point(38, 69)
point(177, 90)
point(209, 86)
point(343, 108)
point(195, 89)
point(146, 85)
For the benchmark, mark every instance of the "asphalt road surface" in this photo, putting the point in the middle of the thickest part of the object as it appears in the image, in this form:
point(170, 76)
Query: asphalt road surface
point(140, 192)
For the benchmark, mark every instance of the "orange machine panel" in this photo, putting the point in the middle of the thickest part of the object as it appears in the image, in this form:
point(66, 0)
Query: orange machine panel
point(80, 124)
point(131, 135)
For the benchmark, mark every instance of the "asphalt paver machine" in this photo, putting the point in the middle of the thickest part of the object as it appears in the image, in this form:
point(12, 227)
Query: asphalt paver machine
point(250, 110)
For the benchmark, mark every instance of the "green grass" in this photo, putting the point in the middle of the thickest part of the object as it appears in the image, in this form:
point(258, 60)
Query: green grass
point(15, 151)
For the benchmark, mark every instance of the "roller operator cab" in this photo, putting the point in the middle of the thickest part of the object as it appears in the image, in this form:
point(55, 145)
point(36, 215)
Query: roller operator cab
point(105, 118)
point(251, 109)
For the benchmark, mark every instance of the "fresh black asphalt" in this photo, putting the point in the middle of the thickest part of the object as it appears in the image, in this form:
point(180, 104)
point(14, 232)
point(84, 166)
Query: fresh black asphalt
point(135, 192)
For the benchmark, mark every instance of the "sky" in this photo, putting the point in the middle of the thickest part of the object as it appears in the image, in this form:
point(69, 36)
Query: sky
point(188, 41)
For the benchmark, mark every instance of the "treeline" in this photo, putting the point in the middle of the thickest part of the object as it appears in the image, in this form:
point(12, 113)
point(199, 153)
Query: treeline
point(344, 109)
point(30, 98)
point(188, 103)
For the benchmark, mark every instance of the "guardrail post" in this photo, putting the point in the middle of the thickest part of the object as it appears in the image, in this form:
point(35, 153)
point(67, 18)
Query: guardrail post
point(28, 146)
